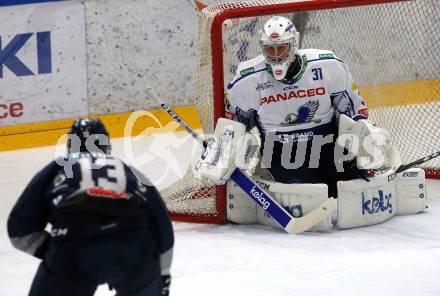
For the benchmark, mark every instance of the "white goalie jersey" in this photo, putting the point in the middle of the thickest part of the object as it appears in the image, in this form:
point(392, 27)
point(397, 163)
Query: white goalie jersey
point(322, 89)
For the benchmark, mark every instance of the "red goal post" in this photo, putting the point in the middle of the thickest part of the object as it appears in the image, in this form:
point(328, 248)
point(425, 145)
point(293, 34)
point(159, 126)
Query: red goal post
point(389, 45)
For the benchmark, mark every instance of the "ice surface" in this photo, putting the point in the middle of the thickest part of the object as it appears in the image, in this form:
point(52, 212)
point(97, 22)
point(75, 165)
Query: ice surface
point(399, 257)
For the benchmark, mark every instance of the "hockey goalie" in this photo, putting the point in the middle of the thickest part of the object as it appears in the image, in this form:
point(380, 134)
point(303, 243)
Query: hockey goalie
point(297, 124)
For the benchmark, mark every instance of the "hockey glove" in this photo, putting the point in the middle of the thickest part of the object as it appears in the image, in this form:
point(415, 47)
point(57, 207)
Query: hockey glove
point(166, 281)
point(218, 161)
point(369, 143)
point(359, 173)
point(41, 251)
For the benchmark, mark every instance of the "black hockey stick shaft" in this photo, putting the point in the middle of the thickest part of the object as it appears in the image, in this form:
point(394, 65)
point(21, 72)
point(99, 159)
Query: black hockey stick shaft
point(404, 167)
point(175, 116)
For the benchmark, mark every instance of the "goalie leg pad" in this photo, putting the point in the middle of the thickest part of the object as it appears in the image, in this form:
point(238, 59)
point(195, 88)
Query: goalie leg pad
point(239, 207)
point(411, 192)
point(297, 199)
point(362, 203)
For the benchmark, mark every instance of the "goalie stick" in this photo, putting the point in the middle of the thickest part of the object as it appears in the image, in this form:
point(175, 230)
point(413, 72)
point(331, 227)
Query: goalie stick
point(404, 167)
point(258, 195)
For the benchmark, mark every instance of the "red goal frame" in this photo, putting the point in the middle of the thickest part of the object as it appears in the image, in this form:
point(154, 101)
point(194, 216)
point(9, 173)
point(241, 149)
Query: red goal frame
point(218, 75)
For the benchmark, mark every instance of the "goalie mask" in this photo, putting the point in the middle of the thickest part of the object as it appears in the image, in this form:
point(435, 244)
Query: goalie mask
point(279, 44)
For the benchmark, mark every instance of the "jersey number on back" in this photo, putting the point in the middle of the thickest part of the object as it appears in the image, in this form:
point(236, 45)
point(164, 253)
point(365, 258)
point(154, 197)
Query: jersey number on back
point(107, 173)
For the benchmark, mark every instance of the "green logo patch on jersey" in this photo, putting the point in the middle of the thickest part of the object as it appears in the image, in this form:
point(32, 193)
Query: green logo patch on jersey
point(59, 180)
point(247, 71)
point(142, 188)
point(326, 56)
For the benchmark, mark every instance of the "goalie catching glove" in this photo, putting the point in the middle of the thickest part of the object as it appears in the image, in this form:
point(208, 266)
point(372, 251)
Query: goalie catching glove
point(230, 147)
point(368, 143)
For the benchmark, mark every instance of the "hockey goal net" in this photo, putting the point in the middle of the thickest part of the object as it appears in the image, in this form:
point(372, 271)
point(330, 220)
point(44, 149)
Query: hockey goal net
point(391, 47)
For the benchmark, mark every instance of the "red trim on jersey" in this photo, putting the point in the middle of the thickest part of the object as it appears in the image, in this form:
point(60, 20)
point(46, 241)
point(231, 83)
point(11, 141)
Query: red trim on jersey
point(363, 111)
point(106, 193)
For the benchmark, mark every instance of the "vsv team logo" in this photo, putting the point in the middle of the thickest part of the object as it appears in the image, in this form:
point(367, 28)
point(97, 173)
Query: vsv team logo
point(305, 113)
point(43, 54)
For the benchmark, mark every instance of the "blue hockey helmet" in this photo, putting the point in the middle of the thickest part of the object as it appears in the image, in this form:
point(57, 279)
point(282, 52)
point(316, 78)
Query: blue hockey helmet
point(92, 134)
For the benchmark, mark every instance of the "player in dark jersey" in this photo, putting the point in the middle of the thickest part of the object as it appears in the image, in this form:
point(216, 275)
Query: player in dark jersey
point(108, 222)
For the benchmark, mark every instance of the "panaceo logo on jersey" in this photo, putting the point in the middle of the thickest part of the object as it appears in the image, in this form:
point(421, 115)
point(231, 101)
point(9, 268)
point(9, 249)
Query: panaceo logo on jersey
point(294, 94)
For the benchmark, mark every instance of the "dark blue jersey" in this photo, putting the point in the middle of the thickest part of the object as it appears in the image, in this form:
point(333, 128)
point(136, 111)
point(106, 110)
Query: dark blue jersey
point(88, 195)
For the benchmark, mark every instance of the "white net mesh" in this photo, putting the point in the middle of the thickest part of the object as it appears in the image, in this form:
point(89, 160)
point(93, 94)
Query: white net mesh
point(395, 60)
point(191, 196)
point(392, 50)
